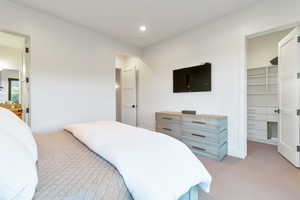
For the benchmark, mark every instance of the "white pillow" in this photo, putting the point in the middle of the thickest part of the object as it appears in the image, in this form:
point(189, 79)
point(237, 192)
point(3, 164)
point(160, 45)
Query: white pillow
point(18, 173)
point(17, 128)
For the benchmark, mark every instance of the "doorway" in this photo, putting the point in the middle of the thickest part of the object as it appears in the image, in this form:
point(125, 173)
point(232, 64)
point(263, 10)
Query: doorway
point(14, 74)
point(266, 77)
point(126, 69)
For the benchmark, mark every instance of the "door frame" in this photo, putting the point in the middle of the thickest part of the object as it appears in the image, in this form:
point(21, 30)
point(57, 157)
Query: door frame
point(244, 128)
point(25, 79)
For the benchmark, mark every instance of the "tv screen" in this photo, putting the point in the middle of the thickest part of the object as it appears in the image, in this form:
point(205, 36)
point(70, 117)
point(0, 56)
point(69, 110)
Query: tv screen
point(192, 79)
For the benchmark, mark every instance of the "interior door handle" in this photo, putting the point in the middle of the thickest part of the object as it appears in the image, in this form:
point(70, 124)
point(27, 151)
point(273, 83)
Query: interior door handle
point(277, 111)
point(133, 106)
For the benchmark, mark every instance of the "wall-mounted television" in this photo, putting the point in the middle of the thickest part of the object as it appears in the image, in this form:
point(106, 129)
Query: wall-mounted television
point(192, 79)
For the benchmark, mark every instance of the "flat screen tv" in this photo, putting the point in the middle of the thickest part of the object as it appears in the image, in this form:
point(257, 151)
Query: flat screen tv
point(192, 79)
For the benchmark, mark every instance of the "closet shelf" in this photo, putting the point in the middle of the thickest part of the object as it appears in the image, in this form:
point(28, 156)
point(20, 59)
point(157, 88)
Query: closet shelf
point(257, 75)
point(261, 67)
point(256, 84)
point(262, 89)
point(261, 84)
point(261, 106)
point(256, 120)
point(262, 93)
point(261, 76)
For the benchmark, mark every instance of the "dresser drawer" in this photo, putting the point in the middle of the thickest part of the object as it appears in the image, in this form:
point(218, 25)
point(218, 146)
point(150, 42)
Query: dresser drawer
point(205, 137)
point(215, 130)
point(166, 118)
point(206, 149)
point(196, 146)
point(220, 156)
point(171, 129)
point(199, 120)
point(172, 126)
point(171, 132)
point(210, 125)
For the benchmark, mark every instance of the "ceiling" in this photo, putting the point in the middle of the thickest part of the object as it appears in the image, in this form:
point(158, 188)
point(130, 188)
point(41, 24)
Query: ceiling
point(121, 19)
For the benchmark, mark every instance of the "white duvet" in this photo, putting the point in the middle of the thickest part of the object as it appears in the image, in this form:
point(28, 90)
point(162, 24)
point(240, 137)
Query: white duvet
point(154, 166)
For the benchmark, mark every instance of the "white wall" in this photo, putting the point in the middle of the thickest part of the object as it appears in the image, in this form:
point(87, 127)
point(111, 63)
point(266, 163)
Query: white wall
point(262, 49)
point(72, 68)
point(221, 42)
point(10, 58)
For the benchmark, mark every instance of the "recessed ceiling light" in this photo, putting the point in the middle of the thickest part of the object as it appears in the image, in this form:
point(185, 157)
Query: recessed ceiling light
point(143, 28)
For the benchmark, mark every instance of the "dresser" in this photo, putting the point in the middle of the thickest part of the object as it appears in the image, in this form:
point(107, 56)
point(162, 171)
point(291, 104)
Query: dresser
point(205, 135)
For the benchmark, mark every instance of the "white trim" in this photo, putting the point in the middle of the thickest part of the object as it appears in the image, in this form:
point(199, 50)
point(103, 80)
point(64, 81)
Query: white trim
point(27, 57)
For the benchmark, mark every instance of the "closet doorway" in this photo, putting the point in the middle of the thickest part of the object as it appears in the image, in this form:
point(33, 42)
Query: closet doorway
point(14, 74)
point(269, 72)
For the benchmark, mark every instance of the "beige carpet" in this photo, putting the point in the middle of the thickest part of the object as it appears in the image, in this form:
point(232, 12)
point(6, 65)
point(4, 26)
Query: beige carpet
point(263, 175)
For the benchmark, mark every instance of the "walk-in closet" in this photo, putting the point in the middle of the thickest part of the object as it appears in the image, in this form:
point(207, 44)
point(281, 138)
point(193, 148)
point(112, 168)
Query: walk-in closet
point(262, 87)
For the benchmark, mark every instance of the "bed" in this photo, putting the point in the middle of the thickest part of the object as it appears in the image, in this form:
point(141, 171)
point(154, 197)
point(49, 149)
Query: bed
point(68, 170)
point(96, 161)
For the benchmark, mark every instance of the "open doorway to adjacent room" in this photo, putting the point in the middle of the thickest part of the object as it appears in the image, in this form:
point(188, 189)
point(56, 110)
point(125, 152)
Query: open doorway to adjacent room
point(273, 66)
point(14, 74)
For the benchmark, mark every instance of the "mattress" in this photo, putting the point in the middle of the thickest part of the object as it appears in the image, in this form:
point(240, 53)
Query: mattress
point(68, 170)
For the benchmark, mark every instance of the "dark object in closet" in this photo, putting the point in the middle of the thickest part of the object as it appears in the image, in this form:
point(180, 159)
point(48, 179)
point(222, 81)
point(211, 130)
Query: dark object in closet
point(272, 130)
point(274, 61)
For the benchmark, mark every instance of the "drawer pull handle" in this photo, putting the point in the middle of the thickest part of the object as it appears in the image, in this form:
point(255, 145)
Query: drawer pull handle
point(167, 118)
point(198, 122)
point(167, 129)
point(203, 136)
point(198, 148)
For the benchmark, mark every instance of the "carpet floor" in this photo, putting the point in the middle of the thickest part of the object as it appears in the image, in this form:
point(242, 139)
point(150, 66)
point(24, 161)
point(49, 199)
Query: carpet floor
point(263, 175)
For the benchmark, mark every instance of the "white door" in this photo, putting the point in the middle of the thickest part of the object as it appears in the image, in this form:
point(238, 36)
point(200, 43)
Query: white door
point(289, 67)
point(128, 82)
